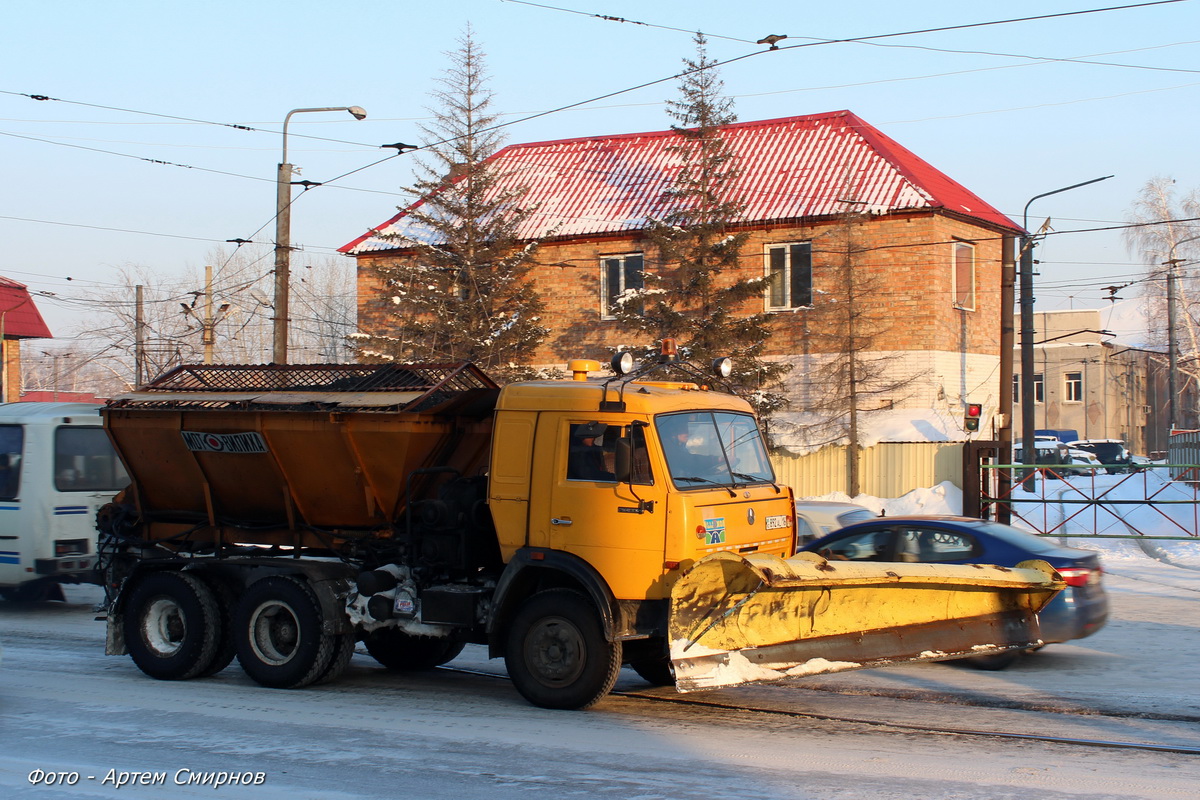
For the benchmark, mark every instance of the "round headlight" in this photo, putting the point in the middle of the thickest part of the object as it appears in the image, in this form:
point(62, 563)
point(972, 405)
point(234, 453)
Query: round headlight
point(622, 363)
point(722, 367)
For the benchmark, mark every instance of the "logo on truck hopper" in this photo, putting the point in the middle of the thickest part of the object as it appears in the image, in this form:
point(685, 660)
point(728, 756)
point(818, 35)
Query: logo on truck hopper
point(224, 442)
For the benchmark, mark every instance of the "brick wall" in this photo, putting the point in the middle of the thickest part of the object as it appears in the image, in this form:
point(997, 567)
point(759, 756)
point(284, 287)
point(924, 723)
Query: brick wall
point(908, 257)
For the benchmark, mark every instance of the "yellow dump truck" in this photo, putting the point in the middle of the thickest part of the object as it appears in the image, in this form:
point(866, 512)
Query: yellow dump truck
point(281, 514)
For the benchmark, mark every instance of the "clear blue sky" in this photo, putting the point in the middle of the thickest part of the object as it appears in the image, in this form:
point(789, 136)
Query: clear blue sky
point(1008, 110)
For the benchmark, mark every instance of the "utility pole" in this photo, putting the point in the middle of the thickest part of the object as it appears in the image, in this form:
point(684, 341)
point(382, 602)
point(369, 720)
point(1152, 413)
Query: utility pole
point(1008, 269)
point(1172, 349)
point(208, 337)
point(139, 339)
point(208, 321)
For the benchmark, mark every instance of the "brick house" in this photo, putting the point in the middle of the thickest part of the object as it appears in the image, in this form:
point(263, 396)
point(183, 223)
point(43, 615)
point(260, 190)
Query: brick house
point(933, 246)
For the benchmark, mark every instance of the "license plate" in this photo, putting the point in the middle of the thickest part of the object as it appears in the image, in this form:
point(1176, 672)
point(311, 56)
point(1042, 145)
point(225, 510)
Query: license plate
point(780, 521)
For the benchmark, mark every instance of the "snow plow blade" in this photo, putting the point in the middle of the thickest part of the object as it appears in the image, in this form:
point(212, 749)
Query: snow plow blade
point(743, 619)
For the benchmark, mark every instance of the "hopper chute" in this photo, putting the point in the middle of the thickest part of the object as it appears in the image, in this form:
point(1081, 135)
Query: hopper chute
point(742, 619)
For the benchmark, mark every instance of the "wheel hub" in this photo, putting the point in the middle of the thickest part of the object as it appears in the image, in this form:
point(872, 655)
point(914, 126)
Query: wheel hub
point(163, 627)
point(555, 651)
point(274, 632)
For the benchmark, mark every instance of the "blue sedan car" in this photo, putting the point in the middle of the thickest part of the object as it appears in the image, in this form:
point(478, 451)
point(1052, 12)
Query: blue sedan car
point(1077, 611)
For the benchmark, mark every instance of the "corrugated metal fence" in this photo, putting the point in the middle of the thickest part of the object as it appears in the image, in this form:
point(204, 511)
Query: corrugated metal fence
point(1183, 448)
point(889, 469)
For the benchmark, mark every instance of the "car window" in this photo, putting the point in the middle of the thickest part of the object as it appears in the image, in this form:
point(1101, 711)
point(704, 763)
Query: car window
point(804, 531)
point(851, 517)
point(873, 545)
point(930, 546)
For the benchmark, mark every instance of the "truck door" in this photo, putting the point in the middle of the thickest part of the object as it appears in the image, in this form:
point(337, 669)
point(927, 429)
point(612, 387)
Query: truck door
point(617, 527)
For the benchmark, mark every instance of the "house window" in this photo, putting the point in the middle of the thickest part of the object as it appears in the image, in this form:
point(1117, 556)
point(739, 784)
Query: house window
point(789, 276)
point(1073, 387)
point(1039, 388)
point(619, 274)
point(964, 276)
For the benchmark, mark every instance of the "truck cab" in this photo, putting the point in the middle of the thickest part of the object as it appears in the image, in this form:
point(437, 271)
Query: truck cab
point(57, 468)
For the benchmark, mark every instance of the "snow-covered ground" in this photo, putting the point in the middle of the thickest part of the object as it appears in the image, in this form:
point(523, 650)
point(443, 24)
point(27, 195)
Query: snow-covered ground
point(64, 706)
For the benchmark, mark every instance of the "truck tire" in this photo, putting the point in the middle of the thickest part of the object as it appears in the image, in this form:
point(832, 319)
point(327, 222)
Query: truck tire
point(403, 652)
point(557, 654)
point(343, 651)
point(226, 649)
point(656, 671)
point(171, 626)
point(280, 642)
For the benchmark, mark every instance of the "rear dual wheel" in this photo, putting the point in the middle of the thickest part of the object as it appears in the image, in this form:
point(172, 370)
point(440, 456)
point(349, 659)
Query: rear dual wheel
point(279, 635)
point(172, 626)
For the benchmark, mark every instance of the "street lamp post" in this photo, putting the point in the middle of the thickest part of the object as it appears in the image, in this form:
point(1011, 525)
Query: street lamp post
point(1028, 438)
point(283, 224)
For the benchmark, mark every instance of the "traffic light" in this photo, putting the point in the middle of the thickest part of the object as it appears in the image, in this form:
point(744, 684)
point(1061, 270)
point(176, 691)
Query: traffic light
point(973, 415)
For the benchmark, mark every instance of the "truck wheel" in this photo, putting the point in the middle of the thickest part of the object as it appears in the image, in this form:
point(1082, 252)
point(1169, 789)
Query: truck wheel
point(557, 654)
point(171, 626)
point(403, 652)
point(226, 648)
point(343, 651)
point(280, 643)
point(655, 671)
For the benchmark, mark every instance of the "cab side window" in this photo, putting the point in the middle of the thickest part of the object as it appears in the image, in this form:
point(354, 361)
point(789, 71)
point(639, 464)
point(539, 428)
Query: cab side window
point(591, 454)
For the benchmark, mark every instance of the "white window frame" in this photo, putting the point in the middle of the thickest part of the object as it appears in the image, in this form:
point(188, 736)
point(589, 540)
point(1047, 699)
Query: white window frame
point(607, 295)
point(1072, 387)
point(787, 251)
point(963, 300)
point(1039, 388)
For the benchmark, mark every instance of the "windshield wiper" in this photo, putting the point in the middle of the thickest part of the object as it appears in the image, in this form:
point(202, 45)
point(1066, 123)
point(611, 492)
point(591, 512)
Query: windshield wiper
point(698, 479)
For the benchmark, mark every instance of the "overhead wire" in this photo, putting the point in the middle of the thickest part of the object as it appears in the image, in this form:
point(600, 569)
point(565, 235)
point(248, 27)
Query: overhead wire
point(526, 117)
point(537, 114)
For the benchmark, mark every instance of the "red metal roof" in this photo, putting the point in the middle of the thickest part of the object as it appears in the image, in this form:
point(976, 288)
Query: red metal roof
point(790, 168)
point(19, 317)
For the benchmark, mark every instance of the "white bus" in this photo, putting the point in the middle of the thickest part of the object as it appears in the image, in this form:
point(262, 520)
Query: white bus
point(57, 468)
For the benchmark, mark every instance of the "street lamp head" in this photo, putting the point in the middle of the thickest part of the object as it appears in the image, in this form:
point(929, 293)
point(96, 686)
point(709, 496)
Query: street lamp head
point(358, 112)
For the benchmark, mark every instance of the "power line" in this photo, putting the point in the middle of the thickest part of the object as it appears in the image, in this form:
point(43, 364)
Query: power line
point(191, 120)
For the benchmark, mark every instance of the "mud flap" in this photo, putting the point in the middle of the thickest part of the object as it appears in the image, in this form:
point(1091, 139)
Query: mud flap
point(737, 620)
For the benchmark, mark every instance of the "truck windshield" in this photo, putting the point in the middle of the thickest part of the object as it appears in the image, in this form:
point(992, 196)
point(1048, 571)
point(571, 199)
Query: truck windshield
point(709, 448)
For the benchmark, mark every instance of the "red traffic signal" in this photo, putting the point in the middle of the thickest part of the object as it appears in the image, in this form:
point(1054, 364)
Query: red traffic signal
point(973, 415)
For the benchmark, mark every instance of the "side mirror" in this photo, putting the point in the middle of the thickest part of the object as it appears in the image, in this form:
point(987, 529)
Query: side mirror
point(623, 461)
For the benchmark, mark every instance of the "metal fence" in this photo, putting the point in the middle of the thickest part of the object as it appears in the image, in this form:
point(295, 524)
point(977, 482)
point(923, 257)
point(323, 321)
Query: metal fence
point(888, 469)
point(1157, 501)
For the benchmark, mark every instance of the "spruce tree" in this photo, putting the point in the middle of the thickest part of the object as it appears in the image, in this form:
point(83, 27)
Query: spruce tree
point(463, 294)
point(696, 292)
